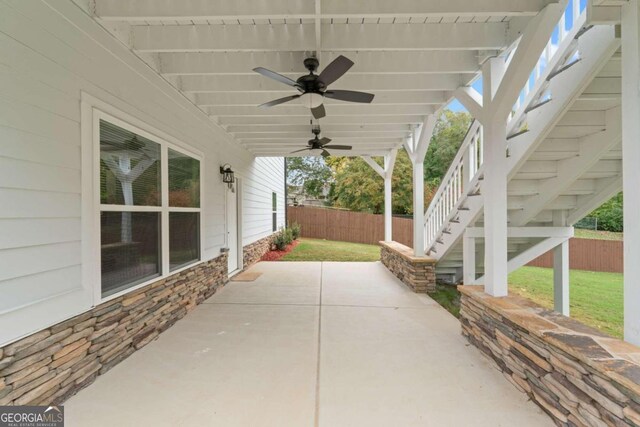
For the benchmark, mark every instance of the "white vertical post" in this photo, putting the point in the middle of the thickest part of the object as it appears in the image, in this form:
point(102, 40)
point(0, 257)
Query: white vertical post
point(468, 260)
point(388, 214)
point(418, 207)
point(630, 162)
point(389, 163)
point(561, 278)
point(495, 186)
point(561, 268)
point(417, 159)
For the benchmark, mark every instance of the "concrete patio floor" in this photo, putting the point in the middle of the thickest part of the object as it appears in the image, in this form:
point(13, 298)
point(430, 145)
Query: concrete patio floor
point(308, 344)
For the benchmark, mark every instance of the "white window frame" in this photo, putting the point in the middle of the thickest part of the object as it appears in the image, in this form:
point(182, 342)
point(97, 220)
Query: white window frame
point(131, 124)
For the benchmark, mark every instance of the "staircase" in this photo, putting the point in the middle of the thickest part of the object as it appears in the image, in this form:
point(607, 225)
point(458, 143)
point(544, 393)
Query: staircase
point(563, 151)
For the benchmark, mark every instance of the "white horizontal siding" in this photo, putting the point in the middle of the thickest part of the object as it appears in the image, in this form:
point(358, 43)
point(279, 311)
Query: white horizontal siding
point(50, 53)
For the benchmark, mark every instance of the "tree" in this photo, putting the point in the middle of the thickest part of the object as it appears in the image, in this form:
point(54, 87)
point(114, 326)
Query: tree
point(309, 173)
point(448, 135)
point(358, 187)
point(609, 215)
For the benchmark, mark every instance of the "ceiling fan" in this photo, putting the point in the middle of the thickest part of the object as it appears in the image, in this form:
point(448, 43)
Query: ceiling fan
point(321, 144)
point(313, 87)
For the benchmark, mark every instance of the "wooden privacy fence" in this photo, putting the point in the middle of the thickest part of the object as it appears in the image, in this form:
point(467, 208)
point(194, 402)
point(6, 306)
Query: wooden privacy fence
point(589, 254)
point(346, 226)
point(358, 227)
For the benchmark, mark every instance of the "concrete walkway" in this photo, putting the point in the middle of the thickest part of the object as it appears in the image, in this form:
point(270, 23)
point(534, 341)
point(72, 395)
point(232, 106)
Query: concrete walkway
point(308, 344)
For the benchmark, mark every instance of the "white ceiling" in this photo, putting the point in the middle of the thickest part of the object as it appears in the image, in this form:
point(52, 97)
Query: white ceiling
point(410, 53)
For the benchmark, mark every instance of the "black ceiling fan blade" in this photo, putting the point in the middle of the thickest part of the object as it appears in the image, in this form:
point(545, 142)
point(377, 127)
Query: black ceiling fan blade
point(318, 112)
point(298, 151)
point(339, 147)
point(335, 70)
point(350, 95)
point(275, 76)
point(324, 141)
point(325, 153)
point(278, 101)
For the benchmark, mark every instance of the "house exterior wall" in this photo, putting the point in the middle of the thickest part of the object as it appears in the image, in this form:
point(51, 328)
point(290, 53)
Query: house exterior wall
point(58, 65)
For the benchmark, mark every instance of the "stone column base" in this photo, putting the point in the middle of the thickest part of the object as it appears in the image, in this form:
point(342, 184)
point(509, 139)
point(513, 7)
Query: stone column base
point(416, 272)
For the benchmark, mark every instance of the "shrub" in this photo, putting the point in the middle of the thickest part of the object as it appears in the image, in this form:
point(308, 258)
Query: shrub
point(288, 235)
point(295, 230)
point(283, 238)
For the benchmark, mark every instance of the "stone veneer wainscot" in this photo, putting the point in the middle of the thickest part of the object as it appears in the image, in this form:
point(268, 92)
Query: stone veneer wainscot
point(254, 251)
point(576, 374)
point(51, 365)
point(416, 272)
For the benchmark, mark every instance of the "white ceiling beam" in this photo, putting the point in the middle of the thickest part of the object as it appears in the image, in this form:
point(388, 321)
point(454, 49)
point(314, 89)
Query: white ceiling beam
point(345, 109)
point(373, 83)
point(336, 136)
point(334, 140)
point(335, 128)
point(291, 63)
point(352, 120)
point(145, 10)
point(301, 37)
point(350, 153)
point(253, 99)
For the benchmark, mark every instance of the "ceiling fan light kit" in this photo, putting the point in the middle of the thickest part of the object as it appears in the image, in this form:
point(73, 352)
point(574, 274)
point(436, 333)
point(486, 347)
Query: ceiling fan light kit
point(313, 87)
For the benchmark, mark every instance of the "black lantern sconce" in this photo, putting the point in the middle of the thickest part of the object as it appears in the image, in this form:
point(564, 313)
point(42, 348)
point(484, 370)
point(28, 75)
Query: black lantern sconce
point(227, 175)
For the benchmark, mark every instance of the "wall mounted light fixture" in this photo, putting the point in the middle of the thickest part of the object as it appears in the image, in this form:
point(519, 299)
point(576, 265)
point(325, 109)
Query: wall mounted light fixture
point(227, 175)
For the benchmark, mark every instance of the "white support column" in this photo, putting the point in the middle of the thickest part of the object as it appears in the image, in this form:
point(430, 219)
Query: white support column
point(561, 278)
point(386, 172)
point(389, 163)
point(561, 268)
point(495, 186)
point(630, 162)
point(418, 208)
point(417, 158)
point(468, 260)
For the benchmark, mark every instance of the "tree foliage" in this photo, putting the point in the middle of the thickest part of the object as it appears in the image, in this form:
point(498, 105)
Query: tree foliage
point(609, 215)
point(448, 135)
point(358, 187)
point(310, 173)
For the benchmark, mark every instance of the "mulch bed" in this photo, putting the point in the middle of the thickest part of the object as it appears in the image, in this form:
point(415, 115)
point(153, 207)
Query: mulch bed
point(276, 255)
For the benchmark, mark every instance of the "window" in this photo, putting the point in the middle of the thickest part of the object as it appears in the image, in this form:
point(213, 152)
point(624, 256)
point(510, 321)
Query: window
point(274, 208)
point(139, 203)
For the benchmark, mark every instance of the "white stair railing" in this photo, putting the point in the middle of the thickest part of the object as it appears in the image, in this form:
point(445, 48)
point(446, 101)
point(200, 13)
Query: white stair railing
point(534, 93)
point(465, 168)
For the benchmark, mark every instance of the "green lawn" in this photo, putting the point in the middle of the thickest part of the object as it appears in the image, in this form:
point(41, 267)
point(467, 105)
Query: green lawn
point(595, 298)
point(328, 250)
point(598, 235)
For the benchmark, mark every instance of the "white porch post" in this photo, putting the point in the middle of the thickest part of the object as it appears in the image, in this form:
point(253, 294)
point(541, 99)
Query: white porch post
point(561, 278)
point(630, 162)
point(468, 260)
point(386, 173)
point(417, 151)
point(389, 163)
point(561, 268)
point(495, 185)
point(418, 208)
